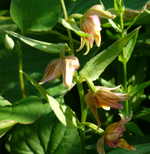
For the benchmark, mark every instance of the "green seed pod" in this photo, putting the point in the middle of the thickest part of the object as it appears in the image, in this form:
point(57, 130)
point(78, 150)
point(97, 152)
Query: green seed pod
point(9, 43)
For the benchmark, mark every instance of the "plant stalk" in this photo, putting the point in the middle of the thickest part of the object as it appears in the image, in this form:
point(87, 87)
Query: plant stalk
point(21, 75)
point(79, 86)
point(124, 66)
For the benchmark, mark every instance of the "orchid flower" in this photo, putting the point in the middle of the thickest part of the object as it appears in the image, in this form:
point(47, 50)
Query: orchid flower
point(65, 66)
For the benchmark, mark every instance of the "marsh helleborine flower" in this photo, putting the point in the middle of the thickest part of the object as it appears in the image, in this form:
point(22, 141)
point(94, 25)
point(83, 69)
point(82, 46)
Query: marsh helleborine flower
point(65, 66)
point(103, 97)
point(91, 24)
point(112, 133)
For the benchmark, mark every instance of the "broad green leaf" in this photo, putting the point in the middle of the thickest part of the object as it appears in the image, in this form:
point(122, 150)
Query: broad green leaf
point(140, 149)
point(139, 88)
point(45, 136)
point(119, 6)
point(134, 128)
point(44, 46)
point(63, 112)
point(73, 26)
point(96, 65)
point(128, 49)
point(5, 125)
point(35, 15)
point(24, 111)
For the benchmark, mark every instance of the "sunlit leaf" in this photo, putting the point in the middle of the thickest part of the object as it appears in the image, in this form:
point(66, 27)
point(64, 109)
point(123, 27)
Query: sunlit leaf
point(24, 111)
point(73, 26)
point(63, 112)
point(35, 15)
point(97, 65)
point(43, 46)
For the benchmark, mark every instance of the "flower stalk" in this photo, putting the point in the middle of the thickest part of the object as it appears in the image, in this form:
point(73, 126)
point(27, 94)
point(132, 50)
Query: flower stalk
point(79, 85)
point(21, 75)
point(124, 65)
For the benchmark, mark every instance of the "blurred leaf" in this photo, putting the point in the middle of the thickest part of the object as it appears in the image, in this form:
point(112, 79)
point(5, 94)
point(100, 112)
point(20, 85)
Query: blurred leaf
point(63, 112)
point(73, 26)
point(24, 111)
point(119, 6)
point(134, 128)
point(139, 88)
point(45, 136)
point(128, 11)
point(35, 15)
point(140, 149)
point(96, 65)
point(43, 46)
point(144, 114)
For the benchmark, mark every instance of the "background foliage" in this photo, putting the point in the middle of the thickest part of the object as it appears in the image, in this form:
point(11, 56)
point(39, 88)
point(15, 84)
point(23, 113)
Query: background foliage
point(47, 134)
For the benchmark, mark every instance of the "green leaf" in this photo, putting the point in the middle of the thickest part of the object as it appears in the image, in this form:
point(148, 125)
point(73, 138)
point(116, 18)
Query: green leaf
point(43, 46)
point(140, 149)
point(73, 26)
point(119, 6)
point(24, 111)
point(134, 128)
point(5, 126)
point(96, 65)
point(45, 136)
point(63, 112)
point(139, 88)
point(128, 49)
point(3, 102)
point(114, 25)
point(35, 15)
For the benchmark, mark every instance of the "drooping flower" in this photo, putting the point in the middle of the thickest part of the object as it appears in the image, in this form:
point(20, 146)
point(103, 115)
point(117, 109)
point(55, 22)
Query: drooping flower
point(112, 133)
point(65, 66)
point(90, 24)
point(105, 98)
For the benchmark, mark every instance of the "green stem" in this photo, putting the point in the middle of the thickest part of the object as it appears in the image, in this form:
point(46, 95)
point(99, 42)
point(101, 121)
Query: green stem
point(68, 30)
point(79, 86)
point(21, 74)
point(124, 65)
point(83, 111)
